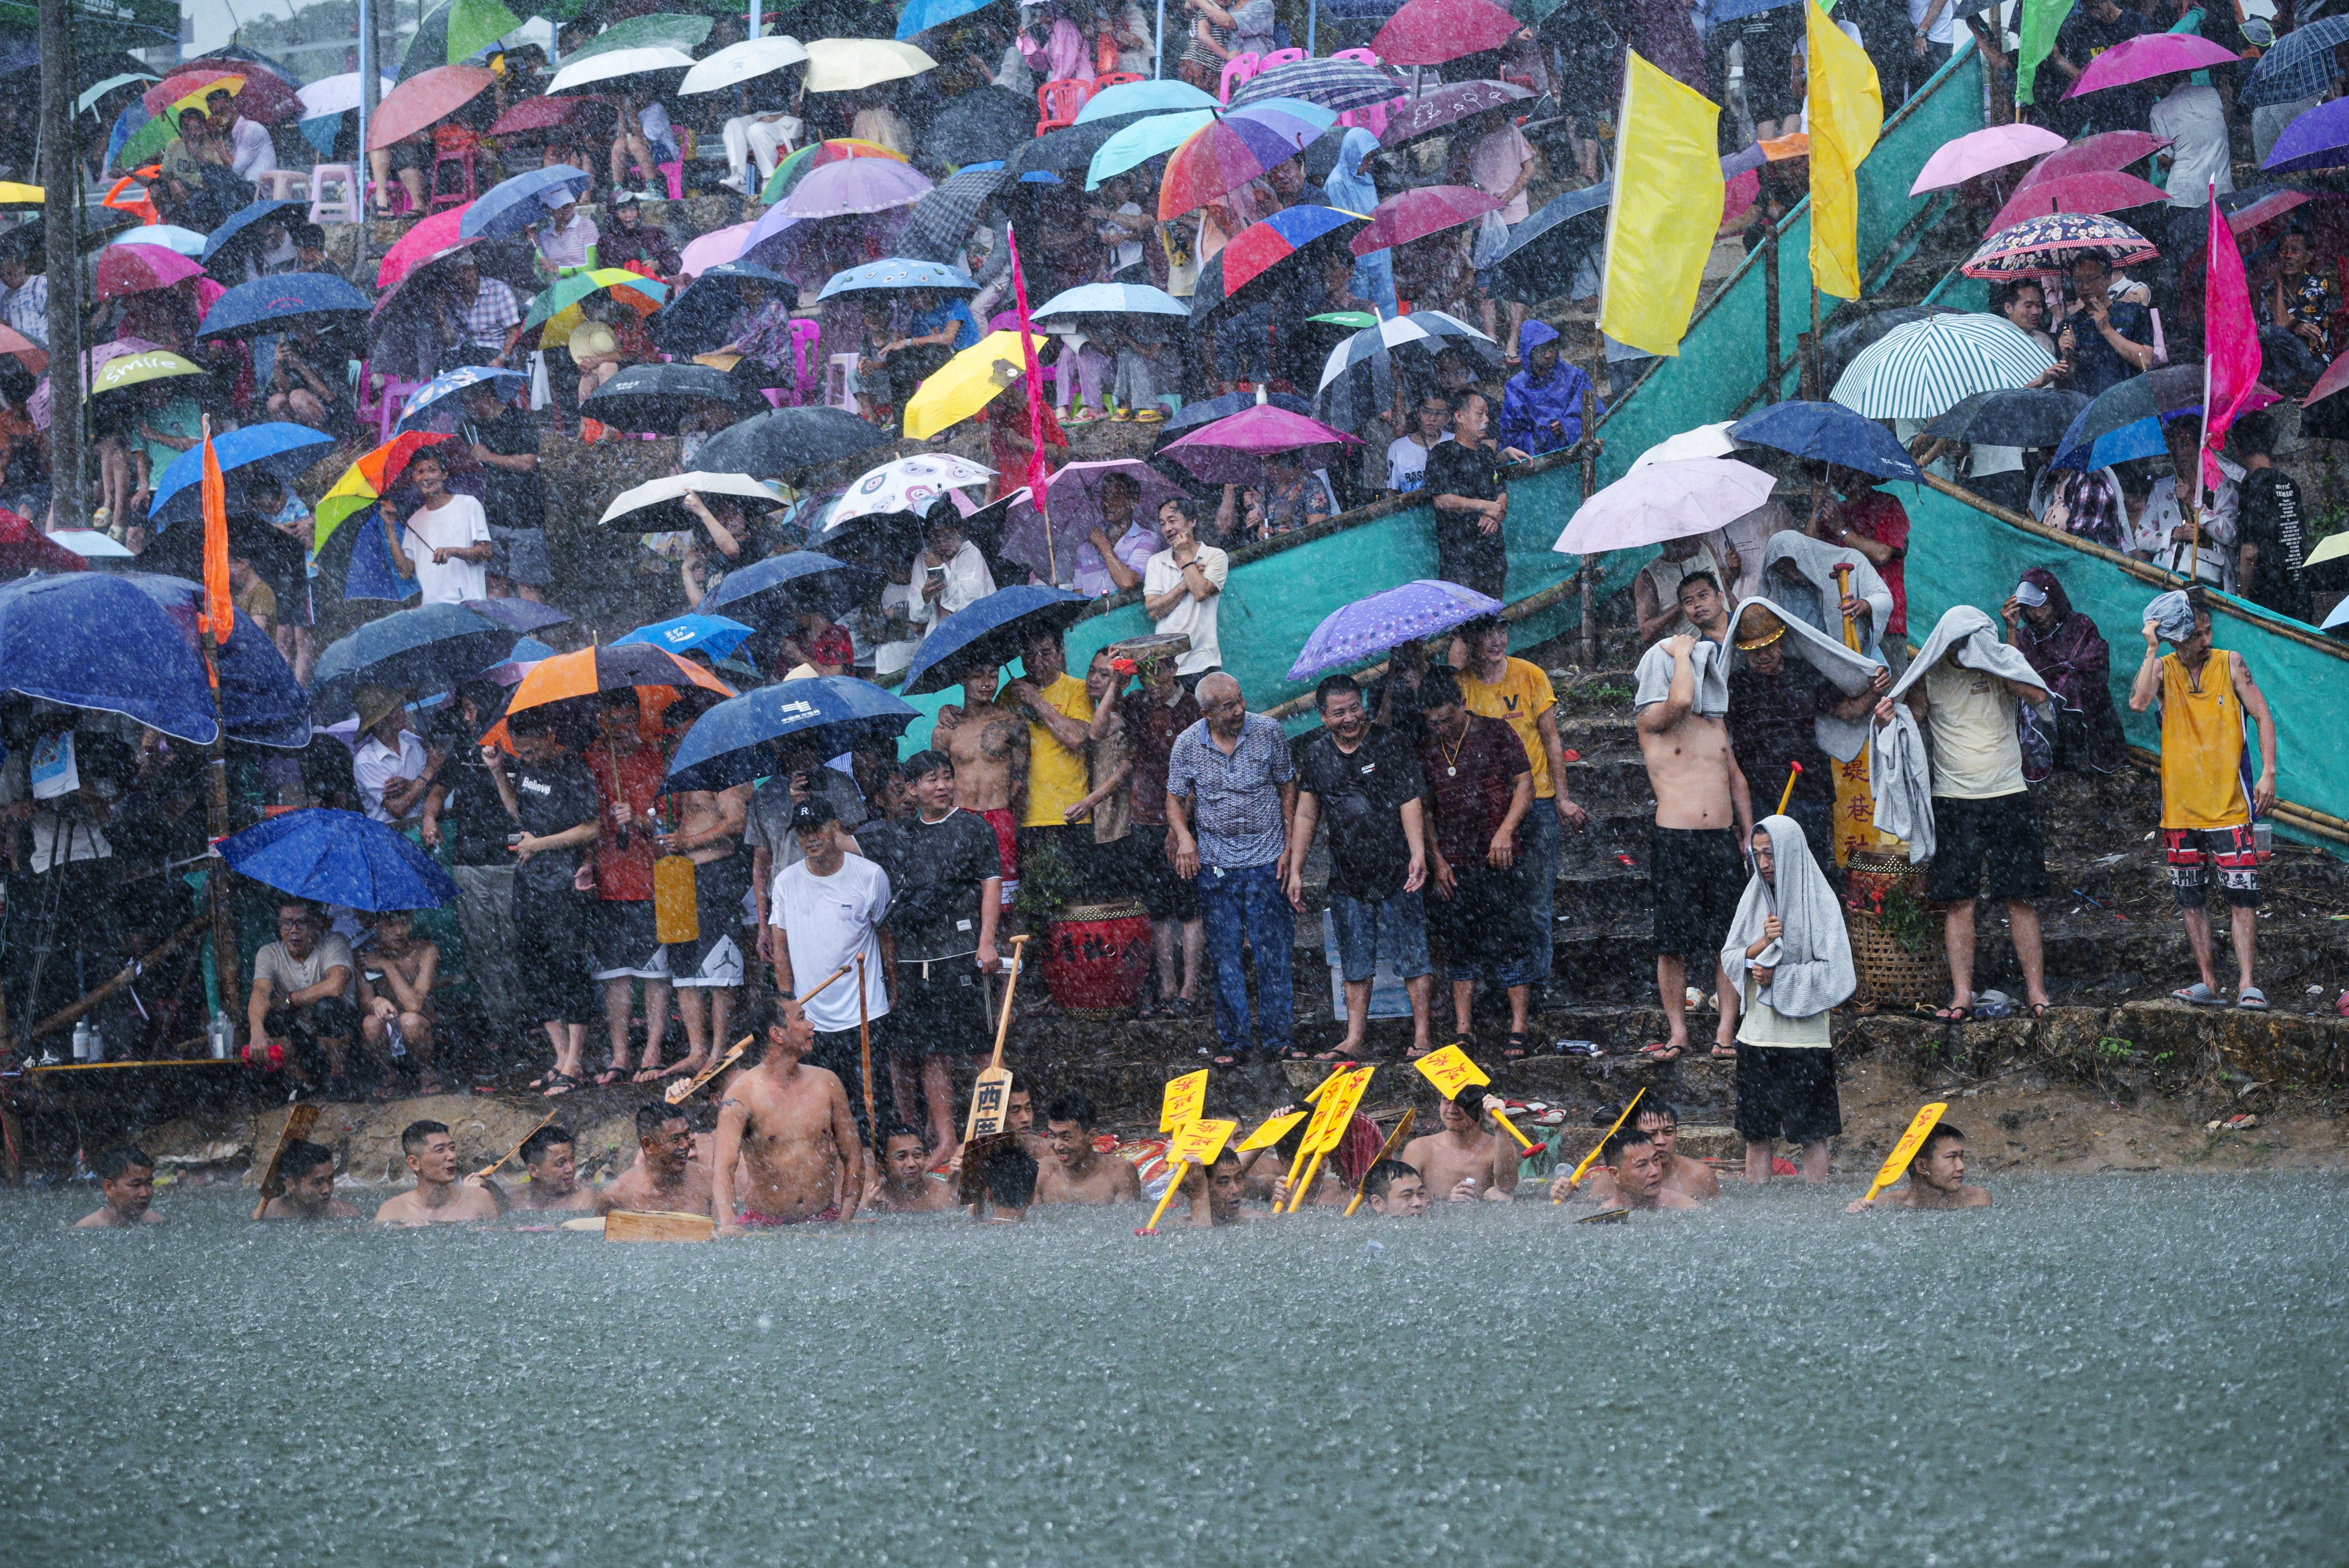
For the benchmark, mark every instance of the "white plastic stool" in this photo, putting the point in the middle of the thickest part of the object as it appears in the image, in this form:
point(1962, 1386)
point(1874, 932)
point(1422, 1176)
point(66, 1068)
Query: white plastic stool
point(282, 184)
point(840, 383)
point(335, 194)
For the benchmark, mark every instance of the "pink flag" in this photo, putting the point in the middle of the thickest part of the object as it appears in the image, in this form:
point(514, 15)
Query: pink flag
point(1038, 471)
point(2230, 340)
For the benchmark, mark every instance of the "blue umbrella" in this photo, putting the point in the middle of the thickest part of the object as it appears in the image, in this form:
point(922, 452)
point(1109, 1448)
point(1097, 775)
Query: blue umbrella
point(427, 649)
point(1831, 433)
point(826, 715)
point(280, 450)
point(266, 304)
point(713, 634)
point(1143, 98)
point(1111, 299)
point(990, 628)
point(451, 382)
point(1371, 627)
point(1550, 247)
point(2125, 420)
point(126, 643)
point(921, 16)
point(695, 321)
point(238, 221)
point(514, 205)
point(899, 272)
point(339, 857)
point(794, 579)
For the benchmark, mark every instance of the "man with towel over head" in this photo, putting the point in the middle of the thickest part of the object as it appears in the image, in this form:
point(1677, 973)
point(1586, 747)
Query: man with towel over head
point(1792, 958)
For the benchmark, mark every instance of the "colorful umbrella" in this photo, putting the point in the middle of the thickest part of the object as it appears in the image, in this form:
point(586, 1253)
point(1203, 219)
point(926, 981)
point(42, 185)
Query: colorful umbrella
point(430, 399)
point(428, 241)
point(341, 858)
point(1922, 370)
point(1336, 85)
point(1143, 98)
point(529, 116)
point(2107, 150)
point(424, 100)
point(739, 63)
point(714, 634)
point(1415, 214)
point(1074, 492)
point(2150, 55)
point(1434, 32)
point(1664, 500)
point(1828, 433)
point(791, 170)
point(1369, 627)
point(30, 354)
point(2109, 192)
point(1441, 111)
point(266, 304)
point(1232, 449)
point(617, 666)
point(2045, 247)
point(1257, 259)
point(36, 408)
point(1220, 156)
point(2314, 141)
point(15, 196)
point(1131, 145)
point(844, 65)
point(2299, 66)
point(455, 31)
point(1980, 152)
point(735, 742)
point(24, 547)
point(657, 505)
point(967, 383)
point(635, 289)
point(659, 398)
point(513, 205)
point(127, 370)
point(260, 95)
point(365, 481)
point(854, 185)
point(790, 440)
point(910, 485)
point(169, 236)
point(619, 63)
point(718, 248)
point(139, 269)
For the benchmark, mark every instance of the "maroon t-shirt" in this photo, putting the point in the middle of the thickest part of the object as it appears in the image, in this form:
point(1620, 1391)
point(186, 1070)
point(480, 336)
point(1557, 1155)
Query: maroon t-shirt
point(1469, 788)
point(1883, 519)
point(1150, 726)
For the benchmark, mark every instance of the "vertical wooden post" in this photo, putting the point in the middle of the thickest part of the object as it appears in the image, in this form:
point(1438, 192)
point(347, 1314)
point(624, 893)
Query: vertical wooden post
point(61, 176)
point(1770, 369)
point(1588, 572)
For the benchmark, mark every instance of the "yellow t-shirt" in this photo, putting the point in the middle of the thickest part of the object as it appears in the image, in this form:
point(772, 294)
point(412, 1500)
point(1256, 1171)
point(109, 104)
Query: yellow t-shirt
point(1056, 775)
point(1520, 699)
point(260, 602)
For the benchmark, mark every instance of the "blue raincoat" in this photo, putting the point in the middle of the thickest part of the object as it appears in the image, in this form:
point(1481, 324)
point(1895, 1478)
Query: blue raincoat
point(1532, 413)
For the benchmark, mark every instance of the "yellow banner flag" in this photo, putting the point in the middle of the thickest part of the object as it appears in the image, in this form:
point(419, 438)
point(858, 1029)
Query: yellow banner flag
point(1846, 110)
point(1666, 211)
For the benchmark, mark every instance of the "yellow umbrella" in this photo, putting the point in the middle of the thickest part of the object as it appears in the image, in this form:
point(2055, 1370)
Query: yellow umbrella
point(967, 383)
point(13, 194)
point(133, 369)
point(844, 64)
point(2332, 549)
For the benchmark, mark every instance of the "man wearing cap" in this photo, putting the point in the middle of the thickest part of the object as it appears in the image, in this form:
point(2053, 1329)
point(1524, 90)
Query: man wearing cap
point(392, 768)
point(827, 911)
point(1541, 406)
point(1774, 704)
point(566, 241)
point(633, 242)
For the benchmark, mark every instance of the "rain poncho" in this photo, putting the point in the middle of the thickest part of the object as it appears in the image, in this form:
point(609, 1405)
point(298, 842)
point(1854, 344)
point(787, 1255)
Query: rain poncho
point(1798, 572)
point(1899, 772)
point(1811, 960)
point(1711, 670)
point(1350, 189)
point(1847, 672)
point(2075, 662)
point(1532, 411)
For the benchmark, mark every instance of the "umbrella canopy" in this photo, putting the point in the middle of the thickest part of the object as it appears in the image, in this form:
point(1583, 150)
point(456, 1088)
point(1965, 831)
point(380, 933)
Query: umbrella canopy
point(531, 115)
point(1110, 299)
point(797, 580)
point(1440, 110)
point(2299, 66)
point(1425, 331)
point(2150, 55)
point(617, 666)
point(1074, 493)
point(977, 125)
point(2023, 416)
point(657, 505)
point(1369, 627)
point(2109, 192)
point(656, 30)
point(1263, 257)
point(1705, 441)
point(1143, 98)
point(1664, 500)
point(1433, 32)
point(615, 64)
point(139, 269)
point(454, 32)
point(2314, 140)
point(2332, 548)
point(1227, 153)
point(1138, 140)
point(910, 485)
point(427, 649)
point(517, 614)
point(993, 628)
point(695, 322)
point(920, 16)
point(1415, 214)
point(428, 241)
point(424, 100)
point(715, 248)
point(267, 304)
point(30, 354)
point(740, 739)
point(659, 398)
point(340, 857)
point(1840, 346)
point(37, 407)
point(791, 170)
point(435, 399)
point(892, 273)
point(790, 440)
point(127, 642)
point(1828, 433)
point(261, 95)
point(129, 370)
point(89, 96)
point(967, 383)
point(1207, 410)
point(1552, 244)
point(282, 451)
point(1073, 147)
point(1335, 85)
point(849, 186)
point(338, 95)
point(236, 225)
point(739, 63)
point(2107, 149)
point(171, 237)
point(2125, 420)
point(514, 205)
point(633, 289)
point(844, 64)
point(1232, 451)
point(1980, 152)
point(1918, 371)
point(714, 634)
point(943, 218)
point(2045, 247)
point(24, 547)
point(365, 481)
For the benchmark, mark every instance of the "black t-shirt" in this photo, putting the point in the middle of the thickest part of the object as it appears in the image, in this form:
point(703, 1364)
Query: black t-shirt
point(1361, 794)
point(1773, 722)
point(2081, 39)
point(473, 821)
point(553, 797)
point(1454, 467)
point(326, 776)
point(934, 871)
point(511, 498)
point(2274, 519)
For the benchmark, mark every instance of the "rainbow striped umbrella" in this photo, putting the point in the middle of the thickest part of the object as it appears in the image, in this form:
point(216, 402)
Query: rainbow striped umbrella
point(365, 481)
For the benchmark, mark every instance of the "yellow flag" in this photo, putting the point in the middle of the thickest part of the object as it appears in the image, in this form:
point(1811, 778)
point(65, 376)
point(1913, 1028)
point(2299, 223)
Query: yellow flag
point(1666, 211)
point(1846, 109)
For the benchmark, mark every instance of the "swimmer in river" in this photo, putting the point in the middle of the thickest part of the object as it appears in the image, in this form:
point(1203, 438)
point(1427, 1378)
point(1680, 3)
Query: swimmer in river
point(666, 1179)
point(1071, 1170)
point(439, 1198)
point(791, 1125)
point(307, 1173)
point(1020, 1119)
point(1215, 1192)
point(126, 1179)
point(1937, 1178)
point(1462, 1161)
point(905, 1186)
point(1395, 1191)
point(548, 1155)
point(1692, 1178)
point(1638, 1166)
point(1007, 1174)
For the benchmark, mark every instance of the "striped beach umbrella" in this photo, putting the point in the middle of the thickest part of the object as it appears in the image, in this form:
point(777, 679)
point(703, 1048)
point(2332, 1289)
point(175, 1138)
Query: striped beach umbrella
point(2046, 246)
point(1338, 84)
point(1922, 370)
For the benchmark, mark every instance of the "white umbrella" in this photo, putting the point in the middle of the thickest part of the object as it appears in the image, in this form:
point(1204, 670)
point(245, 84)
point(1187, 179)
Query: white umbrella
point(844, 64)
point(1664, 500)
point(909, 484)
point(618, 63)
point(737, 63)
point(337, 95)
point(171, 236)
point(672, 487)
point(1705, 441)
point(1922, 370)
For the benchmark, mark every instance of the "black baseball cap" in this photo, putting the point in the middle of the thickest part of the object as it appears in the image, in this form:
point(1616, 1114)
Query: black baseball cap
point(812, 813)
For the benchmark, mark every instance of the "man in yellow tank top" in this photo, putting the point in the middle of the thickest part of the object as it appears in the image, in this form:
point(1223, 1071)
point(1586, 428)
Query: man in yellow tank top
point(2206, 817)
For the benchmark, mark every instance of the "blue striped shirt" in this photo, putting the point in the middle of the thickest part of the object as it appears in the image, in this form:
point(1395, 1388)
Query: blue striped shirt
point(1236, 813)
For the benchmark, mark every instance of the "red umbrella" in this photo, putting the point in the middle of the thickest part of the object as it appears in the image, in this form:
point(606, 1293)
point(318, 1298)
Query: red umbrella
point(1219, 157)
point(534, 114)
point(2100, 153)
point(424, 100)
point(31, 355)
point(1414, 214)
point(1444, 109)
point(1430, 32)
point(265, 97)
point(140, 269)
point(25, 548)
point(433, 238)
point(2109, 192)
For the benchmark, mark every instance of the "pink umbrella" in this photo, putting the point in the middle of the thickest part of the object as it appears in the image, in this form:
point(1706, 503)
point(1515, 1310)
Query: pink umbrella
point(1414, 214)
point(1664, 500)
point(435, 236)
point(425, 100)
point(715, 248)
point(139, 269)
point(2110, 191)
point(1980, 152)
point(1232, 449)
point(854, 185)
point(2107, 149)
point(2151, 55)
point(1431, 32)
point(1075, 494)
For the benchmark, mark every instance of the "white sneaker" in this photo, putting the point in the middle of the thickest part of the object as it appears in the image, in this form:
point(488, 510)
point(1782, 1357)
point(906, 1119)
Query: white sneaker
point(734, 182)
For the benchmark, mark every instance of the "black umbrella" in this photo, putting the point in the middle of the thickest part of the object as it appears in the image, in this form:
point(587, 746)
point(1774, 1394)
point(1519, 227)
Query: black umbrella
point(943, 218)
point(427, 649)
point(660, 398)
point(768, 590)
point(979, 126)
point(1071, 148)
point(789, 441)
point(1550, 246)
point(834, 19)
point(695, 322)
point(2022, 417)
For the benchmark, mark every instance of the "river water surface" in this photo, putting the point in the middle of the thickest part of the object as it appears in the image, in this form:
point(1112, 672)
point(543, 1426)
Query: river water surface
point(2144, 1371)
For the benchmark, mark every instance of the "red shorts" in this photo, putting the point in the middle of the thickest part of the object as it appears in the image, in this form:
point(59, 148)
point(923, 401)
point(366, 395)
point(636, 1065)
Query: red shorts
point(1007, 840)
point(753, 1218)
point(2229, 848)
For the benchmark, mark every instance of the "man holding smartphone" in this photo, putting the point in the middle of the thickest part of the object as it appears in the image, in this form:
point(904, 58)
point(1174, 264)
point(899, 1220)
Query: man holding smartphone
point(2107, 340)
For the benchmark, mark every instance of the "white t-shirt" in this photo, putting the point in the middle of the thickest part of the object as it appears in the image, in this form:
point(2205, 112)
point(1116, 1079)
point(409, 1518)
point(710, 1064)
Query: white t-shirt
point(375, 765)
point(458, 522)
point(2197, 127)
point(888, 658)
point(1944, 27)
point(255, 153)
point(828, 922)
point(1407, 461)
point(1976, 756)
point(967, 581)
point(1196, 618)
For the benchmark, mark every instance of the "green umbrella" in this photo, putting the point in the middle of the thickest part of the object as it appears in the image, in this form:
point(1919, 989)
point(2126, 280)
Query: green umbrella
point(1353, 320)
point(456, 32)
point(640, 292)
point(663, 30)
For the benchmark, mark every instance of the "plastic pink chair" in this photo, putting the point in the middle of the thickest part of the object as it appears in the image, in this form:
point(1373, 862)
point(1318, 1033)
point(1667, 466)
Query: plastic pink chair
point(1236, 69)
point(674, 173)
point(806, 332)
point(396, 394)
point(1362, 55)
point(1281, 58)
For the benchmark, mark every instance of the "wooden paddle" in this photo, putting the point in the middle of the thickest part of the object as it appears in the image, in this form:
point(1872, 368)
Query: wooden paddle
point(864, 1050)
point(486, 1171)
point(1905, 1150)
point(1200, 1143)
point(683, 1089)
point(990, 1095)
point(298, 1123)
point(1386, 1152)
point(1794, 772)
point(1575, 1180)
point(1313, 1098)
point(1327, 1128)
point(1451, 1070)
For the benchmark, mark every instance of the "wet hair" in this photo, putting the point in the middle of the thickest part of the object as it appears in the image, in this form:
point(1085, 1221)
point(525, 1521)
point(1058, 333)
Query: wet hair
point(1943, 1132)
point(1184, 504)
point(485, 696)
point(302, 1157)
point(652, 1116)
point(1334, 686)
point(310, 911)
point(1470, 1102)
point(2005, 294)
point(1010, 1173)
point(1662, 1108)
point(2255, 433)
point(922, 764)
point(897, 1129)
point(532, 721)
point(536, 1146)
point(412, 1137)
point(1071, 1106)
point(1482, 625)
point(1227, 1152)
point(1623, 1142)
point(121, 1157)
point(1383, 1175)
point(1707, 578)
point(1459, 399)
point(1439, 687)
point(1125, 483)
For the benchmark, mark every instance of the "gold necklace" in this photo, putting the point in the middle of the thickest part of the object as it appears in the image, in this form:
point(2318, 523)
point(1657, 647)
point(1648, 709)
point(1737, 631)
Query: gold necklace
point(1452, 758)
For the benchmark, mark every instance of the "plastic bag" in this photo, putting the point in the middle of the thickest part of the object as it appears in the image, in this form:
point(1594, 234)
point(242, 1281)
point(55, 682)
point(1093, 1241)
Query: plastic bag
point(1492, 239)
point(2035, 732)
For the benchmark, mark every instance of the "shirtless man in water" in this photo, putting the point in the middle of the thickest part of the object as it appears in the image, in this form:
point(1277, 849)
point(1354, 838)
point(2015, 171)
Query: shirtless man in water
point(988, 743)
point(1660, 1121)
point(1072, 1171)
point(1215, 1193)
point(790, 1124)
point(439, 1198)
point(904, 1187)
point(1695, 867)
point(307, 1171)
point(554, 1185)
point(1638, 1167)
point(1462, 1161)
point(666, 1179)
point(1395, 1190)
point(1937, 1178)
point(1019, 1120)
point(126, 1179)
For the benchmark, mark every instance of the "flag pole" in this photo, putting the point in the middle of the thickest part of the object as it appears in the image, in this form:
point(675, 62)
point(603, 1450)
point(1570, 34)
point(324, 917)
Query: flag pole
point(226, 962)
point(2202, 430)
point(1036, 489)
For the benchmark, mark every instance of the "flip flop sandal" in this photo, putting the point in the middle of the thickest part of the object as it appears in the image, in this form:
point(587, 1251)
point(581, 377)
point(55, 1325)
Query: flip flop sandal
point(1413, 1053)
point(2199, 996)
point(1659, 1051)
point(1518, 1048)
point(2252, 999)
point(1954, 1015)
point(611, 1075)
point(1726, 1053)
point(1327, 1058)
point(1296, 1054)
point(559, 1083)
point(2039, 1009)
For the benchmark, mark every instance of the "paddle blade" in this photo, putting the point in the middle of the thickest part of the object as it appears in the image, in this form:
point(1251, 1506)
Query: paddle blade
point(1450, 1070)
point(1575, 1180)
point(1185, 1098)
point(990, 1103)
point(1905, 1150)
point(1274, 1129)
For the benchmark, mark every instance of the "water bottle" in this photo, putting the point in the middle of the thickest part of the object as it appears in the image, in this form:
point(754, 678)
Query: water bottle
point(219, 1036)
point(398, 1041)
point(96, 1045)
point(81, 1040)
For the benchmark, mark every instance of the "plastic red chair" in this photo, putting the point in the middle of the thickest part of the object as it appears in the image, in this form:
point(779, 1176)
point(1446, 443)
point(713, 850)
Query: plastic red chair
point(462, 157)
point(1236, 69)
point(1114, 78)
point(1057, 103)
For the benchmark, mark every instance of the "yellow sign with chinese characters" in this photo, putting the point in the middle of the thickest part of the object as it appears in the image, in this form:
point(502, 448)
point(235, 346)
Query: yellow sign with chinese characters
point(1185, 1098)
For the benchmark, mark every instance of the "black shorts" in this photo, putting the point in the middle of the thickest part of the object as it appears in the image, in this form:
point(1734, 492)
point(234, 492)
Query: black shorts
point(1696, 876)
point(1475, 576)
point(551, 967)
point(2002, 834)
point(714, 957)
point(624, 936)
point(940, 1008)
point(1770, 45)
point(1786, 1092)
point(518, 555)
point(1483, 928)
point(1150, 878)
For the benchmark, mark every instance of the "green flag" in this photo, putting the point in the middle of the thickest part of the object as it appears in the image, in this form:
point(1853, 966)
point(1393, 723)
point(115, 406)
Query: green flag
point(2038, 22)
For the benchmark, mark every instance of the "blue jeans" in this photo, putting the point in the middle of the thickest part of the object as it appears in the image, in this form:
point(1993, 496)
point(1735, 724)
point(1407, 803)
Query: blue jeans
point(1540, 862)
point(1245, 905)
point(1395, 926)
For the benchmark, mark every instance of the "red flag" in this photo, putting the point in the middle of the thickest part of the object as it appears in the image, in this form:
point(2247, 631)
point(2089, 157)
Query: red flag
point(2231, 339)
point(220, 600)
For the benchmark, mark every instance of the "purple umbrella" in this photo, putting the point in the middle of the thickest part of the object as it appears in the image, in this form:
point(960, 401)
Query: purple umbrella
point(1232, 449)
point(1075, 495)
point(1388, 620)
point(517, 614)
point(854, 185)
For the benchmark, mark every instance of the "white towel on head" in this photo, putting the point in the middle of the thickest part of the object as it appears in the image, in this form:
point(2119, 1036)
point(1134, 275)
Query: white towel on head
point(1813, 561)
point(1711, 671)
point(2172, 615)
point(1847, 672)
point(1898, 771)
point(1811, 961)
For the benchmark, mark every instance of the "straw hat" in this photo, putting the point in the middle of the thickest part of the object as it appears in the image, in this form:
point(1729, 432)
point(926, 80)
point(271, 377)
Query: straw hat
point(377, 703)
point(1757, 628)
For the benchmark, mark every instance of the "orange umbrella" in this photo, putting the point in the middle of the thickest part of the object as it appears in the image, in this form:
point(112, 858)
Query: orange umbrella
point(424, 100)
point(617, 668)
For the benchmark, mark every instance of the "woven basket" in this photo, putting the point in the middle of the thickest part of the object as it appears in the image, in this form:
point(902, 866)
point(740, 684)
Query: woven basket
point(1888, 971)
